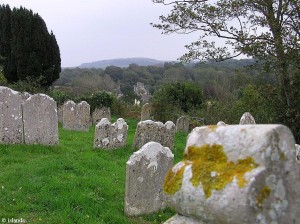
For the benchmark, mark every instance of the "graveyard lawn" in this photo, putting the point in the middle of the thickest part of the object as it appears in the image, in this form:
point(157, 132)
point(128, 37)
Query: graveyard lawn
point(72, 182)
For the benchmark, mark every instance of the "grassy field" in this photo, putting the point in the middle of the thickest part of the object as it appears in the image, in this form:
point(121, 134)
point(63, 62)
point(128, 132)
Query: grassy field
point(70, 183)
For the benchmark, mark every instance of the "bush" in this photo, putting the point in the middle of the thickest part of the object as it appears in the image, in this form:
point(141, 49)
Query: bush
point(175, 99)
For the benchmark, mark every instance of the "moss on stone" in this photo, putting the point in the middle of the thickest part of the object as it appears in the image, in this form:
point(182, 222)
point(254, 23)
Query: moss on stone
point(211, 168)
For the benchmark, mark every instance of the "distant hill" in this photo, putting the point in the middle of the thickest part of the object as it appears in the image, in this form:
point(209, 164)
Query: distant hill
point(123, 62)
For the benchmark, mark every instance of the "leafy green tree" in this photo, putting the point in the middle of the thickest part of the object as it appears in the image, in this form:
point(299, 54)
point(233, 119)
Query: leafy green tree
point(30, 52)
point(267, 30)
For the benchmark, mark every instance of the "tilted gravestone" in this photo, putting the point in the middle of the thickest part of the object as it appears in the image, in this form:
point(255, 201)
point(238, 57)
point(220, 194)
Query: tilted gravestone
point(147, 131)
point(11, 124)
point(145, 172)
point(236, 174)
point(76, 116)
point(247, 118)
point(100, 113)
point(40, 120)
point(183, 124)
point(108, 136)
point(146, 112)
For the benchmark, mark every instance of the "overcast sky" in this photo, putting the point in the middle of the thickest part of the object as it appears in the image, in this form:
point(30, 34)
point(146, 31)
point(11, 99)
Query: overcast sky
point(93, 30)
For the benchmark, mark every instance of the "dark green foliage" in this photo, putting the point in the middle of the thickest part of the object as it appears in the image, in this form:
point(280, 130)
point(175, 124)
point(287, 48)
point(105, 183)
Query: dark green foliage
point(175, 99)
point(99, 99)
point(29, 52)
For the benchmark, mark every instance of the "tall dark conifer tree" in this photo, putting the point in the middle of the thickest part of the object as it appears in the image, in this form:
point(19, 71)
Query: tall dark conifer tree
point(28, 51)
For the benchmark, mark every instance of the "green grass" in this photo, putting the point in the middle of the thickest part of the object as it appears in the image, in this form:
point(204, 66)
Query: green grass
point(70, 183)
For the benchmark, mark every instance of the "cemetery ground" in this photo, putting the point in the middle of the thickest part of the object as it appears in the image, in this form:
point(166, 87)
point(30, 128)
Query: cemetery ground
point(72, 182)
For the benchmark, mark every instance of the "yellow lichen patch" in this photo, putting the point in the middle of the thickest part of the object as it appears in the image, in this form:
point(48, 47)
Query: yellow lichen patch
point(211, 168)
point(282, 156)
point(173, 180)
point(212, 127)
point(263, 195)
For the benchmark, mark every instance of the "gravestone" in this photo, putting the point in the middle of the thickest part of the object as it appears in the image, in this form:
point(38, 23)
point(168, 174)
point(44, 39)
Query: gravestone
point(146, 112)
point(108, 136)
point(40, 120)
point(148, 130)
point(100, 113)
point(247, 118)
point(183, 124)
point(145, 172)
point(169, 135)
point(60, 114)
point(25, 96)
point(76, 116)
point(236, 174)
point(11, 124)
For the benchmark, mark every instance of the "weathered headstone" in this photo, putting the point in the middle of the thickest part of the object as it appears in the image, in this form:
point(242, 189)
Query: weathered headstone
point(236, 174)
point(76, 116)
point(25, 96)
point(145, 172)
point(169, 135)
point(108, 136)
point(183, 124)
point(146, 112)
point(40, 120)
point(60, 113)
point(100, 113)
point(148, 130)
point(11, 125)
point(247, 118)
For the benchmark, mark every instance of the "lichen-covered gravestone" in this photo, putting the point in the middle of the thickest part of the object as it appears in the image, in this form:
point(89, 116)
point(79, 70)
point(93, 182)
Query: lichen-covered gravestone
point(148, 130)
point(100, 113)
point(40, 120)
point(145, 172)
point(183, 124)
point(247, 118)
point(146, 112)
point(108, 136)
point(11, 125)
point(236, 174)
point(76, 116)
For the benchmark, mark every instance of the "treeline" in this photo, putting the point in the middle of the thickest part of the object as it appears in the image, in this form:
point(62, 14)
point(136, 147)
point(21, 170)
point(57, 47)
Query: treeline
point(212, 77)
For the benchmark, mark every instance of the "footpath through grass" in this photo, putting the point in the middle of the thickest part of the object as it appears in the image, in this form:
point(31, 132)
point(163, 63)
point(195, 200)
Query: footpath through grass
point(70, 183)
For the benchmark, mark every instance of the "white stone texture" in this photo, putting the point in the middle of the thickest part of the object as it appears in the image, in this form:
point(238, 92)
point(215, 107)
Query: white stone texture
point(11, 124)
point(179, 219)
point(221, 123)
point(297, 152)
point(183, 124)
point(247, 118)
point(76, 116)
point(109, 136)
point(100, 113)
point(146, 112)
point(145, 172)
point(149, 130)
point(40, 120)
point(273, 149)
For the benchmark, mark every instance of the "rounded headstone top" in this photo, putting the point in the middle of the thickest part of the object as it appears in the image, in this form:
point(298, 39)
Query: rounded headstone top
point(103, 121)
point(169, 124)
point(247, 118)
